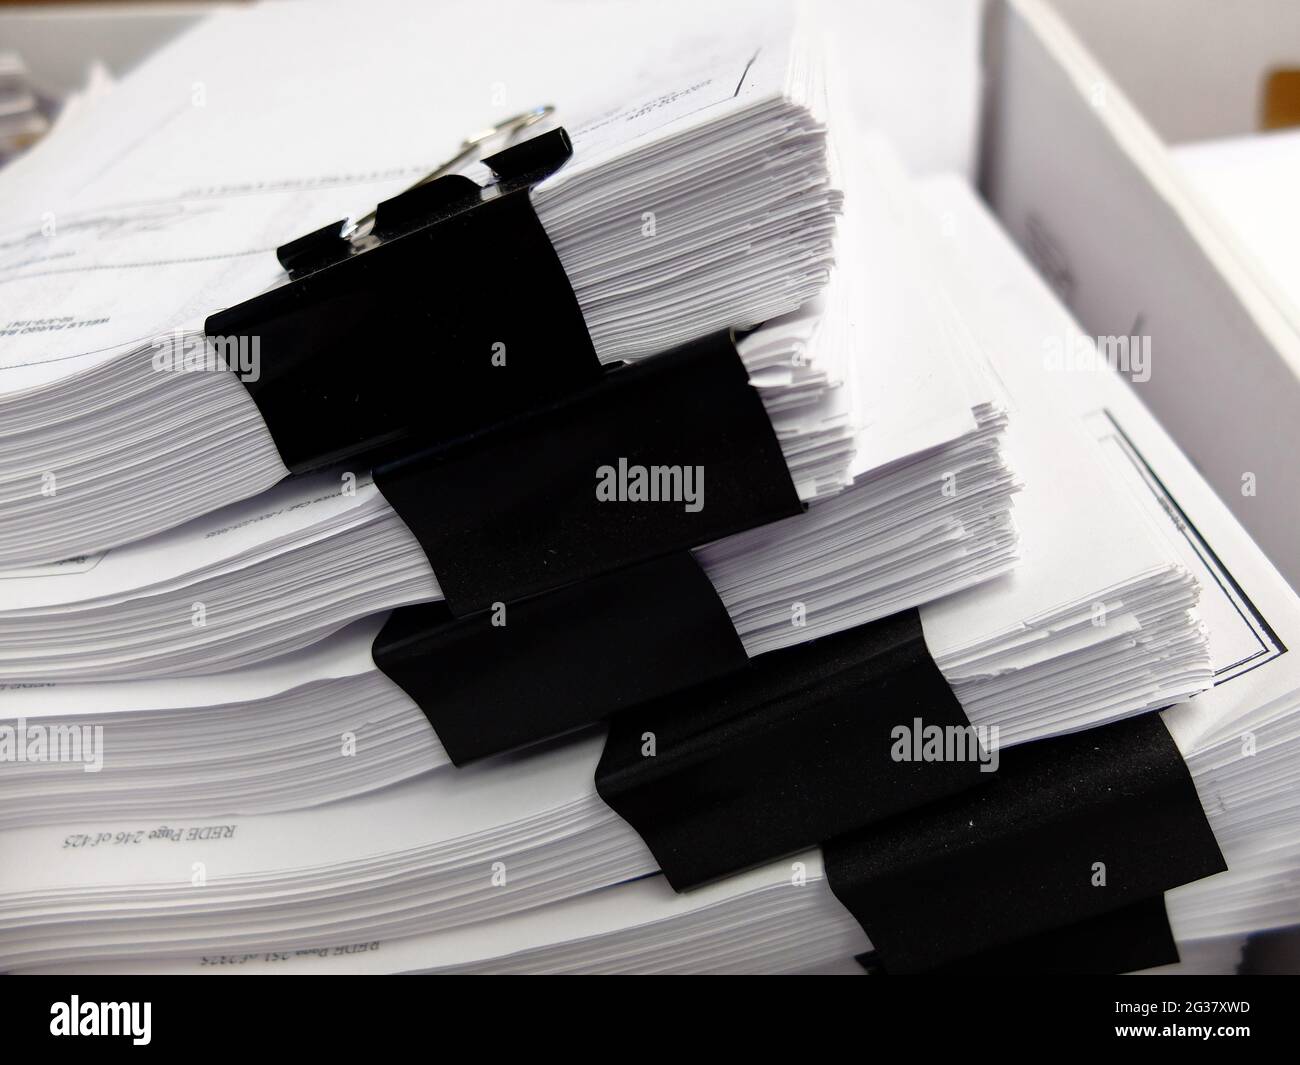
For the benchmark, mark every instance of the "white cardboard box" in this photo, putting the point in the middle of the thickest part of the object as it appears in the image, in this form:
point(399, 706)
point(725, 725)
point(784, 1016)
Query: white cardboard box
point(1089, 191)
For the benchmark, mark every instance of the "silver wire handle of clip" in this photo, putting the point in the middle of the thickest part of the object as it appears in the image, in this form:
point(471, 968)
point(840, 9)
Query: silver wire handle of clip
point(472, 148)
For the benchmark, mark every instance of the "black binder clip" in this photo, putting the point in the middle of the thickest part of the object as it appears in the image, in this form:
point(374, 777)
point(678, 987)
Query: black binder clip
point(445, 309)
point(664, 454)
point(1134, 937)
point(796, 749)
point(1068, 831)
point(548, 665)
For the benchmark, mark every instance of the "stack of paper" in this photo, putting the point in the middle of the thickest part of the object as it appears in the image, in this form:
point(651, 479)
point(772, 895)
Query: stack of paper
point(203, 769)
point(422, 855)
point(1246, 775)
point(1094, 624)
point(448, 848)
point(702, 204)
point(780, 918)
point(784, 918)
point(248, 590)
point(756, 922)
point(925, 513)
point(699, 198)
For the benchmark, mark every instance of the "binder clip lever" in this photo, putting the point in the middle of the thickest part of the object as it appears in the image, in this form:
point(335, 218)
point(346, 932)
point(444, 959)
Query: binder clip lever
point(444, 309)
point(441, 191)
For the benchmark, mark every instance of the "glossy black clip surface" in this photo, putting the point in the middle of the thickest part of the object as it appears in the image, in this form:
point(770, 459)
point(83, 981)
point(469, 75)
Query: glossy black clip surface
point(798, 748)
point(1068, 829)
point(556, 662)
point(551, 497)
point(453, 312)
